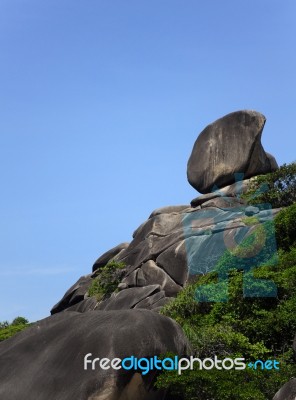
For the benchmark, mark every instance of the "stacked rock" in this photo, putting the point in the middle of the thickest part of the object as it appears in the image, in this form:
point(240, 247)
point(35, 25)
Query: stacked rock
point(229, 146)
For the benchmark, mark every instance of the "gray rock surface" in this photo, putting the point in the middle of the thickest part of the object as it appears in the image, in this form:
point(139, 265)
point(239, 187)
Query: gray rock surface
point(168, 210)
point(170, 249)
point(46, 361)
point(150, 248)
point(128, 298)
point(238, 188)
point(122, 285)
point(135, 278)
point(223, 202)
point(272, 160)
point(87, 304)
point(287, 392)
point(161, 302)
point(174, 261)
point(154, 275)
point(149, 301)
point(251, 210)
point(198, 201)
point(231, 145)
point(235, 190)
point(74, 295)
point(109, 255)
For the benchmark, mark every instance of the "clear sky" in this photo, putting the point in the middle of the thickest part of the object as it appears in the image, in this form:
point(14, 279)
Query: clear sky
point(100, 104)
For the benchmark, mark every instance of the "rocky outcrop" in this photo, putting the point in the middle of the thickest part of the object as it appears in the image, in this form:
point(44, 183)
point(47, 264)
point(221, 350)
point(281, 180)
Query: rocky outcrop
point(150, 274)
point(75, 294)
point(287, 392)
point(109, 255)
point(228, 146)
point(46, 361)
point(237, 189)
point(169, 249)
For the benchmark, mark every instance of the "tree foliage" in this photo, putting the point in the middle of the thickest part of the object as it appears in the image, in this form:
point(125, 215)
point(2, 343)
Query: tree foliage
point(8, 330)
point(277, 188)
point(107, 279)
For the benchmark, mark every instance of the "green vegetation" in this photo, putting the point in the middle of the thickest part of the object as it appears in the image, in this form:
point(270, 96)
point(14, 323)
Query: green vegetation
point(7, 330)
point(249, 221)
point(279, 186)
point(250, 327)
point(106, 280)
point(285, 225)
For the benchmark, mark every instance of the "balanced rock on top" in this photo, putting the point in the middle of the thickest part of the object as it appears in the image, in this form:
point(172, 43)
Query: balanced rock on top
point(229, 146)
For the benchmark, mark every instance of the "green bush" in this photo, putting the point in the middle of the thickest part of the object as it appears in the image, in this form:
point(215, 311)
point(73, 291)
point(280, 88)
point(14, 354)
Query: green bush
point(8, 330)
point(280, 187)
point(285, 223)
point(215, 384)
point(20, 321)
point(107, 279)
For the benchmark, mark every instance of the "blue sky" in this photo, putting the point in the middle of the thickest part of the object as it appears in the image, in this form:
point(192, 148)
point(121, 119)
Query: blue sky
point(100, 105)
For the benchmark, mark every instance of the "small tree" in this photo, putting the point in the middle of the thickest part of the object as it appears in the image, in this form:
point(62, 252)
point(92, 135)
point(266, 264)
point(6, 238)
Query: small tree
point(280, 185)
point(20, 321)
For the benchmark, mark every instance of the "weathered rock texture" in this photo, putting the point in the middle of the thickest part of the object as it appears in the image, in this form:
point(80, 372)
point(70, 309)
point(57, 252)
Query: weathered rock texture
point(74, 294)
point(229, 146)
point(287, 392)
point(168, 250)
point(109, 255)
point(46, 361)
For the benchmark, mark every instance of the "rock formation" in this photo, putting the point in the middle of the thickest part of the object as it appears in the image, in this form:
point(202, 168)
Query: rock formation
point(46, 361)
point(170, 248)
point(287, 392)
point(230, 145)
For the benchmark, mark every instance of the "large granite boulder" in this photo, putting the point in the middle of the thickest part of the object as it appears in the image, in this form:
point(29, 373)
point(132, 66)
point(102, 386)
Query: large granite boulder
point(287, 392)
point(231, 145)
point(46, 361)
